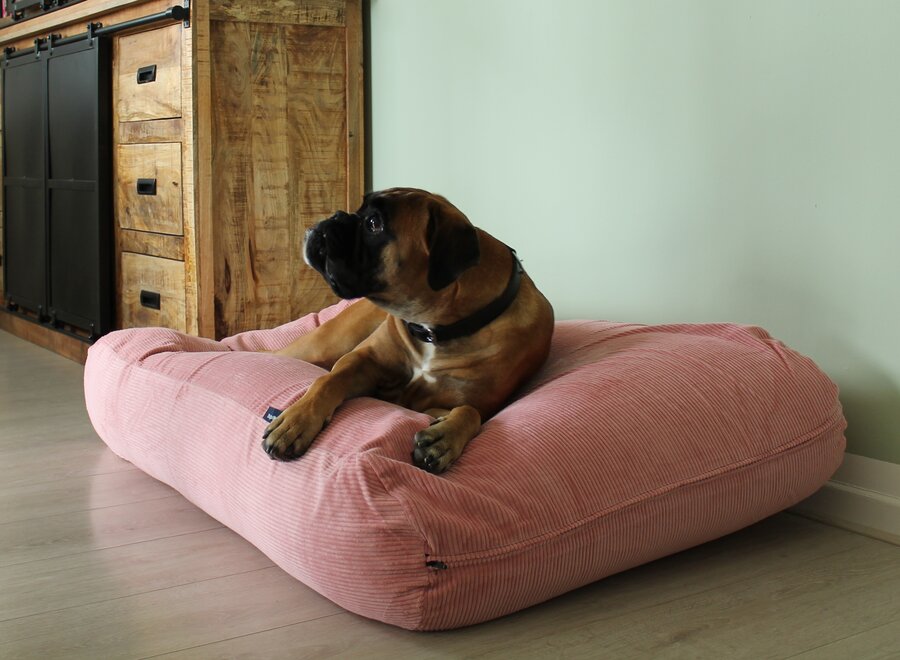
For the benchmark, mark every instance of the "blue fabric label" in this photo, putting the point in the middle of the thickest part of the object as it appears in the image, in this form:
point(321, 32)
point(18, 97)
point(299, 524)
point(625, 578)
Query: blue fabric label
point(271, 414)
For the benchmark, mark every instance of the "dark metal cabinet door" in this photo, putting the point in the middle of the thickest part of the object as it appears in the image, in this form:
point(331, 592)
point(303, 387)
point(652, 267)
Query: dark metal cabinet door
point(79, 219)
point(58, 229)
point(24, 227)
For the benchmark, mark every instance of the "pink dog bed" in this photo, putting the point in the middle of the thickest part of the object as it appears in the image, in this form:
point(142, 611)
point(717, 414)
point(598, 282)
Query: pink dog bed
point(633, 442)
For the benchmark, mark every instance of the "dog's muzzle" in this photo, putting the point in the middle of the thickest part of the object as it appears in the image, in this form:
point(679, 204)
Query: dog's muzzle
point(332, 247)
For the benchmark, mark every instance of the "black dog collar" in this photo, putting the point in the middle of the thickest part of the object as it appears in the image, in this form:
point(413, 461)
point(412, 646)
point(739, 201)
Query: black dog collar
point(472, 324)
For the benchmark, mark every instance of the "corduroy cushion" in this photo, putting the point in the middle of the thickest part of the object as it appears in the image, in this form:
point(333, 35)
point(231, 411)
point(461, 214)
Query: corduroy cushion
point(633, 442)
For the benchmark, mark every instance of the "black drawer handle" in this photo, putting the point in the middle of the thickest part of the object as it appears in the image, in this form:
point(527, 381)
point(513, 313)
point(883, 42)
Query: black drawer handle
point(149, 299)
point(146, 74)
point(146, 186)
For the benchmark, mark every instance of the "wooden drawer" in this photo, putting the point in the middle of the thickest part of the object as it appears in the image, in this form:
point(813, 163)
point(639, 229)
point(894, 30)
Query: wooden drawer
point(148, 187)
point(148, 282)
point(148, 75)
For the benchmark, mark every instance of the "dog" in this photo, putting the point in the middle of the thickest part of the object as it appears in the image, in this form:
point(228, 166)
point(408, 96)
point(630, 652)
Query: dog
point(449, 323)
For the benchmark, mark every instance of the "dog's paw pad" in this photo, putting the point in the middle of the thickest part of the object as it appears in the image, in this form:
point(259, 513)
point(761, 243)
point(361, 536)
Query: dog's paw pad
point(427, 437)
point(432, 454)
point(431, 462)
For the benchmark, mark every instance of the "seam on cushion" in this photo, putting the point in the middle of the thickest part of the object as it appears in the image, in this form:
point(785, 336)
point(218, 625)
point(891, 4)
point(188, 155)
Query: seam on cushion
point(364, 456)
point(474, 557)
point(140, 365)
point(160, 350)
point(411, 521)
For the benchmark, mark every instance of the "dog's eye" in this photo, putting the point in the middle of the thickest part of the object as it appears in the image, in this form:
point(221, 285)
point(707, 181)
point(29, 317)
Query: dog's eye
point(375, 224)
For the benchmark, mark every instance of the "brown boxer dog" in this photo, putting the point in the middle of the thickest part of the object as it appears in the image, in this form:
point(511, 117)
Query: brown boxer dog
point(451, 325)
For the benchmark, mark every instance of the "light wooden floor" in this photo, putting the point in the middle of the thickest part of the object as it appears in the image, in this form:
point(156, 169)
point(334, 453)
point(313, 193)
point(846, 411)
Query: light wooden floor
point(97, 560)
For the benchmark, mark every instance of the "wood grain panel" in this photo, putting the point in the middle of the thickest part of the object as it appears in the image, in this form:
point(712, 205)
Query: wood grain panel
point(2, 285)
point(283, 12)
point(160, 130)
point(163, 276)
point(200, 212)
point(162, 211)
point(356, 120)
point(157, 245)
point(279, 165)
point(198, 302)
point(161, 98)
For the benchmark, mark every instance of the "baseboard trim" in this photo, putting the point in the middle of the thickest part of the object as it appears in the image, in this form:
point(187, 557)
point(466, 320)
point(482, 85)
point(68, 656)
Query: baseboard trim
point(862, 496)
point(58, 342)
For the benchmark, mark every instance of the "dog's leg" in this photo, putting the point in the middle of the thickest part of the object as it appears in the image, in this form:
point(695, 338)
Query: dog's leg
point(439, 445)
point(336, 337)
point(290, 434)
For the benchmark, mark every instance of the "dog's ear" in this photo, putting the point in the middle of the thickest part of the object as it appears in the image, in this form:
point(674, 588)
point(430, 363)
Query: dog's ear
point(452, 245)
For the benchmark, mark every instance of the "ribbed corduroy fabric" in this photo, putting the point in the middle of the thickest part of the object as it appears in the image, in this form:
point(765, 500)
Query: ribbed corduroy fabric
point(633, 442)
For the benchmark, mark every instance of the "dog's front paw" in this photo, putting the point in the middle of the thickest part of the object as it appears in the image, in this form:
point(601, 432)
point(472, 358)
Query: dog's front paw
point(292, 432)
point(435, 447)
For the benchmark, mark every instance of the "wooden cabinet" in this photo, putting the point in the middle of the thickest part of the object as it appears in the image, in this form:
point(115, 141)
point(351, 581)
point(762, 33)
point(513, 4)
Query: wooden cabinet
point(231, 136)
point(148, 187)
point(147, 70)
point(152, 292)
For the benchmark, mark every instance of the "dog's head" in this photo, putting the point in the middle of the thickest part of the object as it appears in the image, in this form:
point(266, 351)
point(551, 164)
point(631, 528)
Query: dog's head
point(399, 249)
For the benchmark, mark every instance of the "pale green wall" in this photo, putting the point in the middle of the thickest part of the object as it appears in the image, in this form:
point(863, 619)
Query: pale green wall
point(669, 161)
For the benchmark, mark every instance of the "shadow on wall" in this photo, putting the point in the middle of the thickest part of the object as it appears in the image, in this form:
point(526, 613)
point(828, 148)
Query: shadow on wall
point(869, 393)
point(872, 408)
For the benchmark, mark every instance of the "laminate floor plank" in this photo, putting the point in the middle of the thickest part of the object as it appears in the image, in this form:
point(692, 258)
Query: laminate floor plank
point(154, 622)
point(94, 529)
point(879, 643)
point(582, 623)
point(43, 417)
point(40, 499)
point(39, 460)
point(85, 578)
point(755, 618)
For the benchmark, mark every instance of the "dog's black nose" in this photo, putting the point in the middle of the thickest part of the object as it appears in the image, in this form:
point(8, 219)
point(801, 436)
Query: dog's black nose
point(341, 216)
point(339, 233)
